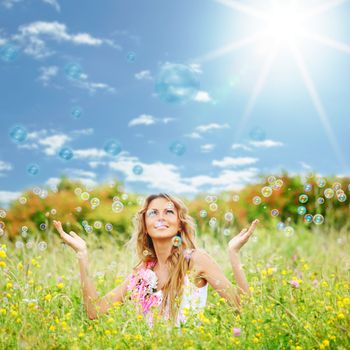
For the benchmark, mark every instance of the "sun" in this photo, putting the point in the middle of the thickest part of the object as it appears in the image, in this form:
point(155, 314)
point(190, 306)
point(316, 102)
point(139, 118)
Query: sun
point(284, 26)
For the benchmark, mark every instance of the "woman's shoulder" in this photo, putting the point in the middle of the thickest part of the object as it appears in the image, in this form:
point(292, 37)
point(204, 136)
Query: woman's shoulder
point(199, 257)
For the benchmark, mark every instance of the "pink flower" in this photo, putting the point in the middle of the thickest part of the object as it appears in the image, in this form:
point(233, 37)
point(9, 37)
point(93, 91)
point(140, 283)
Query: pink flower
point(236, 332)
point(315, 282)
point(294, 283)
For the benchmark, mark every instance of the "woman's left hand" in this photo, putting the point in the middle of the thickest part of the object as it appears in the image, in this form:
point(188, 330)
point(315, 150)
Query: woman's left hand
point(237, 242)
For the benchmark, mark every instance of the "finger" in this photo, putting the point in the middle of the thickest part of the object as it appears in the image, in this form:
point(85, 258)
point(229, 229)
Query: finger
point(74, 234)
point(253, 226)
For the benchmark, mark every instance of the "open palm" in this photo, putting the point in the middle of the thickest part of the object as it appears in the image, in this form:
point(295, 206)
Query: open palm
point(237, 242)
point(72, 239)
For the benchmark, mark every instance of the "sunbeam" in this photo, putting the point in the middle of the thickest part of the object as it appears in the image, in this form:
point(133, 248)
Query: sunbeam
point(245, 9)
point(318, 105)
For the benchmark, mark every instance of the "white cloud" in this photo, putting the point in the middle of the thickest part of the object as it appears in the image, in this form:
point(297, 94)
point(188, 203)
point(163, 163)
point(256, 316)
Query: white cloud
point(266, 143)
point(84, 132)
point(88, 182)
point(208, 127)
point(196, 68)
point(47, 73)
point(53, 143)
point(167, 120)
point(91, 86)
point(9, 3)
point(144, 75)
point(89, 153)
point(207, 148)
point(193, 135)
point(54, 4)
point(143, 119)
point(7, 196)
point(236, 146)
point(80, 173)
point(31, 37)
point(5, 166)
point(233, 162)
point(202, 96)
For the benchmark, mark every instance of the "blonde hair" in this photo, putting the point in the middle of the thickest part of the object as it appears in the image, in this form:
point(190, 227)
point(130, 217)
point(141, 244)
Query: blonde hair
point(178, 265)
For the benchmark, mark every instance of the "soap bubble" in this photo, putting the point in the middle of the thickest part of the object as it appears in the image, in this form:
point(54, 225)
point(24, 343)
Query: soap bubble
point(2, 213)
point(33, 169)
point(9, 52)
point(307, 187)
point(74, 71)
point(125, 196)
point(303, 198)
point(203, 213)
point(321, 183)
point(85, 196)
point(42, 245)
point(117, 206)
point(328, 193)
point(112, 147)
point(336, 186)
point(213, 206)
point(266, 191)
point(18, 134)
point(22, 200)
point(19, 244)
point(342, 197)
point(43, 226)
point(212, 222)
point(256, 200)
point(227, 232)
point(98, 224)
point(177, 83)
point(65, 153)
point(30, 244)
point(235, 197)
point(109, 227)
point(228, 216)
point(53, 211)
point(271, 180)
point(177, 148)
point(257, 134)
point(279, 183)
point(320, 200)
point(76, 112)
point(131, 57)
point(318, 219)
point(301, 210)
point(308, 218)
point(137, 169)
point(78, 191)
point(275, 212)
point(280, 226)
point(288, 231)
point(95, 202)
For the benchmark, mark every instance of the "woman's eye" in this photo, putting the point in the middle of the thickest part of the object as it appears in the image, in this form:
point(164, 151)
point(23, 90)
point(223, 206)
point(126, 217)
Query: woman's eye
point(170, 211)
point(151, 213)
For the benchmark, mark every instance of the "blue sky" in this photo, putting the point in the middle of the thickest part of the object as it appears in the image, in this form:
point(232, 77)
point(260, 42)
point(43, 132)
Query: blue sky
point(274, 67)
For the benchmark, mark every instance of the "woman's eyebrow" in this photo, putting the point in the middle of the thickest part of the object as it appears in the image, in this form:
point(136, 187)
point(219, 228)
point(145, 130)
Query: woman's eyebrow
point(166, 208)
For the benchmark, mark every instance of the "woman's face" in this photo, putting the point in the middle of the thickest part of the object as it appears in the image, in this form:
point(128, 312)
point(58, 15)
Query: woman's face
point(162, 219)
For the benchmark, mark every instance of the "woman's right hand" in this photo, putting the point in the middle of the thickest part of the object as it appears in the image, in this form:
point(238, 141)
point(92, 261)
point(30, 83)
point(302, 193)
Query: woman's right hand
point(72, 239)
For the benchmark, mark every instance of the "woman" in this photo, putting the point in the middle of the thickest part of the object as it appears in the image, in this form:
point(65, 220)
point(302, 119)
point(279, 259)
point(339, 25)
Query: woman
point(165, 244)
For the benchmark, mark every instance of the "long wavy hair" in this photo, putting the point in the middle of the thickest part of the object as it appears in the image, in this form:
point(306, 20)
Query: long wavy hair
point(177, 264)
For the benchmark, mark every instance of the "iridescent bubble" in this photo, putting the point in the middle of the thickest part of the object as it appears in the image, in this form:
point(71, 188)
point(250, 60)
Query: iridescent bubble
point(85, 196)
point(131, 57)
point(336, 186)
point(2, 225)
point(280, 226)
point(301, 210)
point(307, 187)
point(328, 193)
point(33, 169)
point(137, 169)
point(19, 244)
point(109, 227)
point(257, 134)
point(1, 232)
point(320, 200)
point(342, 197)
point(97, 224)
point(303, 198)
point(43, 226)
point(212, 222)
point(318, 219)
point(95, 202)
point(37, 191)
point(74, 71)
point(112, 147)
point(42, 245)
point(76, 112)
point(177, 148)
point(84, 223)
point(275, 212)
point(88, 229)
point(266, 191)
point(117, 207)
point(43, 194)
point(339, 192)
point(321, 183)
point(256, 200)
point(288, 231)
point(235, 197)
point(228, 216)
point(213, 206)
point(18, 134)
point(254, 239)
point(53, 211)
point(30, 244)
point(115, 198)
point(2, 213)
point(203, 213)
point(9, 52)
point(227, 232)
point(177, 83)
point(22, 200)
point(125, 196)
point(78, 191)
point(65, 153)
point(279, 183)
point(271, 180)
point(308, 218)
